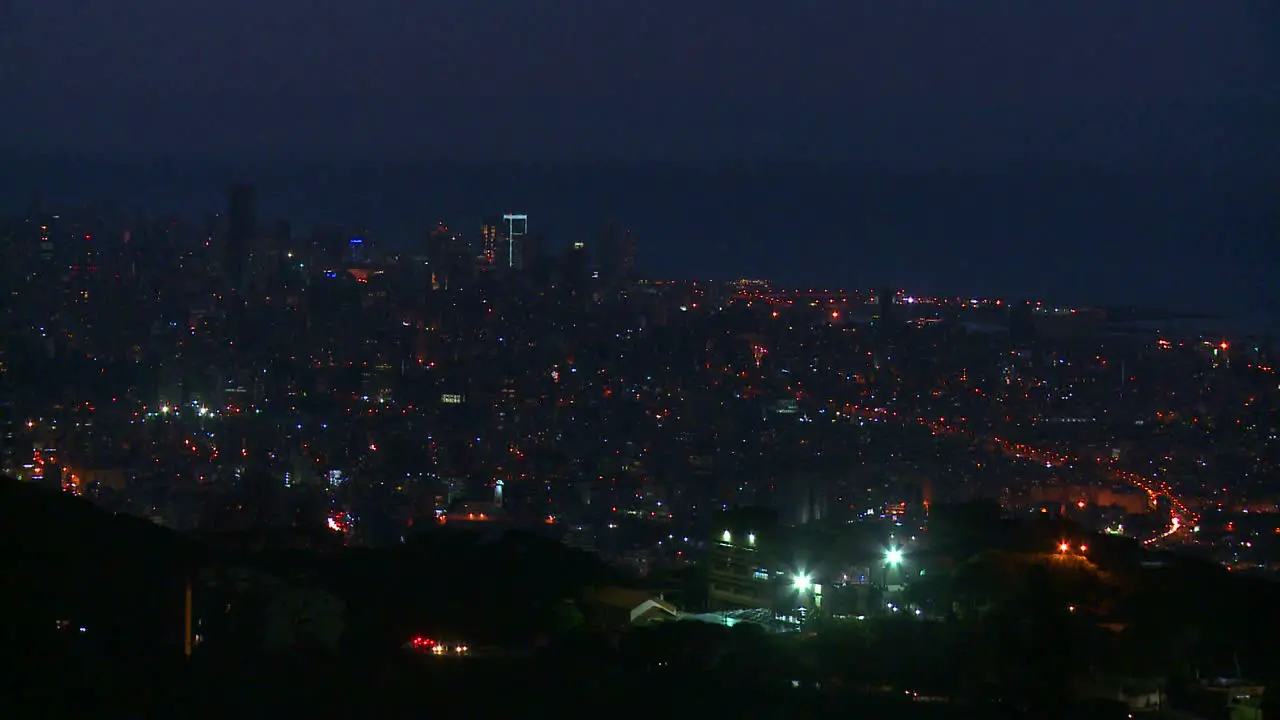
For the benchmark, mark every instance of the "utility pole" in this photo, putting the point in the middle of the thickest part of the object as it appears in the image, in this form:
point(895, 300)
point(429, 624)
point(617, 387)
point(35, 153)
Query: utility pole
point(186, 621)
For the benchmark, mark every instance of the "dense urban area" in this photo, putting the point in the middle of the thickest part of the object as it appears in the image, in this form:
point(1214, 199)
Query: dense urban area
point(253, 470)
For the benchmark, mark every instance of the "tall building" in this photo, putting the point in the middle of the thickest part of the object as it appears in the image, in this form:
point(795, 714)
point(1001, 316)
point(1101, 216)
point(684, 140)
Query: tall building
point(515, 229)
point(242, 223)
point(489, 240)
point(617, 255)
point(627, 261)
point(575, 271)
point(450, 259)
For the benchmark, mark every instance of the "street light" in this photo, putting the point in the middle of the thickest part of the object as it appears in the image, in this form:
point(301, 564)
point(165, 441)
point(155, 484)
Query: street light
point(802, 582)
point(893, 557)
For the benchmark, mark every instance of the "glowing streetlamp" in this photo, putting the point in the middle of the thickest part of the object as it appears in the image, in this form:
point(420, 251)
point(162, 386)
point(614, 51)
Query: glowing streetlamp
point(893, 557)
point(802, 582)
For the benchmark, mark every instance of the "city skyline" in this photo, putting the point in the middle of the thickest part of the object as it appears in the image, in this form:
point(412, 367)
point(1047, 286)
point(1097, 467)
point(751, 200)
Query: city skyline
point(992, 236)
point(705, 359)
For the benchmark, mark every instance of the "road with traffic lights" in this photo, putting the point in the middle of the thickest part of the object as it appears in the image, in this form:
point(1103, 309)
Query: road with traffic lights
point(1181, 518)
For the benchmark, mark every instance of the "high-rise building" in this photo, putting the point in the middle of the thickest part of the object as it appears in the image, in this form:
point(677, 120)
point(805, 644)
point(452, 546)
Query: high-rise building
point(515, 229)
point(628, 255)
point(617, 256)
point(242, 223)
point(575, 272)
point(490, 233)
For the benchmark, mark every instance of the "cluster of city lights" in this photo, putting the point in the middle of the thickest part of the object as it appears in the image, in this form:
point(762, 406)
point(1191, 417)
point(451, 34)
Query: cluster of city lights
point(802, 581)
point(1023, 451)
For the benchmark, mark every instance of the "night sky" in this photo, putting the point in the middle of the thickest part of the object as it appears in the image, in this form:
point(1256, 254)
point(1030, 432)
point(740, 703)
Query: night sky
point(1117, 151)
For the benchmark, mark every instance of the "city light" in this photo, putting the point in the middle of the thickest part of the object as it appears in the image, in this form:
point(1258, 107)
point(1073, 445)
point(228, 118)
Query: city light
point(802, 582)
point(893, 557)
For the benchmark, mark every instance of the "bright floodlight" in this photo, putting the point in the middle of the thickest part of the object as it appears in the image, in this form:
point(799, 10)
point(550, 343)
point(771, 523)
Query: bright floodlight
point(893, 557)
point(802, 582)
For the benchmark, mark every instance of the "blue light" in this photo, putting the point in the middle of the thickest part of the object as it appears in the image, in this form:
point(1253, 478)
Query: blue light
point(357, 241)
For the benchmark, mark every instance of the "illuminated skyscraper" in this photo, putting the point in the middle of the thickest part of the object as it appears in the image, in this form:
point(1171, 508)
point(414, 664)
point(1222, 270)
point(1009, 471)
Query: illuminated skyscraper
point(489, 241)
point(516, 227)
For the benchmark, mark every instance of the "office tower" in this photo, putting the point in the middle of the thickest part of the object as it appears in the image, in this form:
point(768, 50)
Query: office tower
point(450, 259)
point(357, 251)
point(511, 250)
point(627, 256)
point(617, 256)
point(576, 272)
point(610, 256)
point(242, 223)
point(489, 240)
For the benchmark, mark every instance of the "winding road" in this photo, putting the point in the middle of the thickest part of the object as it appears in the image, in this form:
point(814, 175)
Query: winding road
point(1181, 517)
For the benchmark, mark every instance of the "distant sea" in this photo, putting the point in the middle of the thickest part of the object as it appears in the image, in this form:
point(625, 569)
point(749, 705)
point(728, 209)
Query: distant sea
point(1192, 242)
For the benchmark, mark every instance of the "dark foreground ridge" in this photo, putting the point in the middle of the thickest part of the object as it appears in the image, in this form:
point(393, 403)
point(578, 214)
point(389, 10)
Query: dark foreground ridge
point(95, 617)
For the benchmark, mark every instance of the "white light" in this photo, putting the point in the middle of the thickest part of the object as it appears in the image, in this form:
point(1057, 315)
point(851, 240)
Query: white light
point(726, 536)
point(893, 557)
point(751, 538)
point(802, 582)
